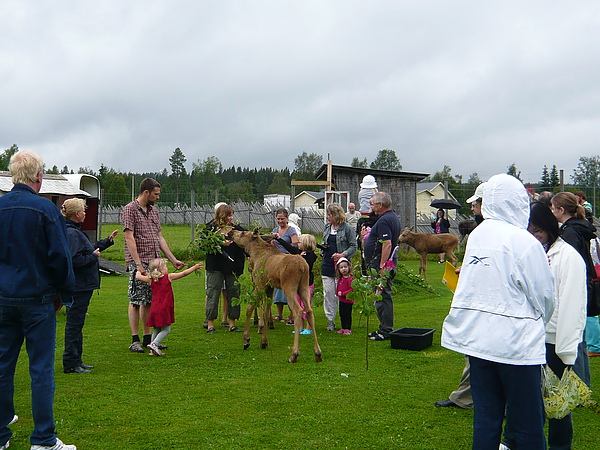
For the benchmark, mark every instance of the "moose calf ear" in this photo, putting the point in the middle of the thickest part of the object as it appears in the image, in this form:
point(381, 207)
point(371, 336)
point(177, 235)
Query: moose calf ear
point(256, 231)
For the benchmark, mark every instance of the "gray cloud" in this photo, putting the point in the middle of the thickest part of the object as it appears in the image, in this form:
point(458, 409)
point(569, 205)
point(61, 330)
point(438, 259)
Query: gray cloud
point(473, 85)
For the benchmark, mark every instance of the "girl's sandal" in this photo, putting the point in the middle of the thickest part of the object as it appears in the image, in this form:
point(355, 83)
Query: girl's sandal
point(211, 330)
point(277, 318)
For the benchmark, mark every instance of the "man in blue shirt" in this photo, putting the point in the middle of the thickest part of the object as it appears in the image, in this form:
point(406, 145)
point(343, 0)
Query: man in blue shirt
point(35, 267)
point(379, 250)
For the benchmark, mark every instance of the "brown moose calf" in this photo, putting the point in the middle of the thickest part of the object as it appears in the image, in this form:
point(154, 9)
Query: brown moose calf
point(430, 243)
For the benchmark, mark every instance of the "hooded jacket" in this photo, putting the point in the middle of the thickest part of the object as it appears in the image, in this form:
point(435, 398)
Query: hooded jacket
point(505, 291)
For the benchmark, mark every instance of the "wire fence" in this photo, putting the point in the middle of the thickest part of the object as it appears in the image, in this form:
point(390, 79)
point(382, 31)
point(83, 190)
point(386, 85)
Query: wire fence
point(248, 214)
point(255, 214)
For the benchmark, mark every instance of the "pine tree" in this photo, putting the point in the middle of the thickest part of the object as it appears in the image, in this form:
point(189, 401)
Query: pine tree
point(554, 178)
point(545, 182)
point(178, 172)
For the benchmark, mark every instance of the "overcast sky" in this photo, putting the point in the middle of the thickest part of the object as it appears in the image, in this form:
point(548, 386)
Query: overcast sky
point(476, 85)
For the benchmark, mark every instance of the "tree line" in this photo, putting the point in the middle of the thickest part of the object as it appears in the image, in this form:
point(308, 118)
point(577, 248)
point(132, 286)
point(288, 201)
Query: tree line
point(212, 182)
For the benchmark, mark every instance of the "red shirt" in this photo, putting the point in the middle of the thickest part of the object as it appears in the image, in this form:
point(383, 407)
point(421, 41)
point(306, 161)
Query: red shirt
point(146, 229)
point(345, 286)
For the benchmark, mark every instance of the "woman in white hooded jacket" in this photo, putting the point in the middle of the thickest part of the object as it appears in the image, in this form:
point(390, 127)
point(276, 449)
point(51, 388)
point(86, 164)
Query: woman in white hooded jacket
point(505, 294)
point(564, 331)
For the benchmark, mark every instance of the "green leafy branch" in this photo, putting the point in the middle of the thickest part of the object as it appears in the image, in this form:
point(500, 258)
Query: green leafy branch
point(365, 292)
point(209, 241)
point(248, 293)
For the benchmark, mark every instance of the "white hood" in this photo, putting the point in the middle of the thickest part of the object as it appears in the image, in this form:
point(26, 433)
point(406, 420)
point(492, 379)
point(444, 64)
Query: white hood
point(505, 290)
point(506, 199)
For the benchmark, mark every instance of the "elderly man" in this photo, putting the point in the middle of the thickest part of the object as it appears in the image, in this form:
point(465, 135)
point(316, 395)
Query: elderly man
point(352, 215)
point(379, 249)
point(35, 267)
point(462, 397)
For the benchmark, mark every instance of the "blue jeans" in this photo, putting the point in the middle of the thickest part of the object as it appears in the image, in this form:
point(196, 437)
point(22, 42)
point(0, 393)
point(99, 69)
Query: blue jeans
point(498, 388)
point(560, 431)
point(592, 334)
point(37, 326)
point(74, 329)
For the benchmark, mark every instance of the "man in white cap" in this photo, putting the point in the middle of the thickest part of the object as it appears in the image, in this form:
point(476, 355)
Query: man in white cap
point(475, 201)
point(461, 397)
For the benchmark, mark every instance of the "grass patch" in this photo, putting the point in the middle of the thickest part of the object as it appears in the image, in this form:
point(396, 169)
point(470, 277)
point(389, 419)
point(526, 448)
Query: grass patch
point(209, 393)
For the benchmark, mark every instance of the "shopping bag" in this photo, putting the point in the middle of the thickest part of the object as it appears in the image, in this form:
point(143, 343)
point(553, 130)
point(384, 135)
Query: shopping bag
point(561, 396)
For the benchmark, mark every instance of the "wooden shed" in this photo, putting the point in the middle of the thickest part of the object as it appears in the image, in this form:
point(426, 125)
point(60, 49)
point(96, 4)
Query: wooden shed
point(401, 186)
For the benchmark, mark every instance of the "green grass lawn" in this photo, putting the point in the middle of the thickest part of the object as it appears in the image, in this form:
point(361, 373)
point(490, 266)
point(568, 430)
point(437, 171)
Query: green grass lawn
point(209, 393)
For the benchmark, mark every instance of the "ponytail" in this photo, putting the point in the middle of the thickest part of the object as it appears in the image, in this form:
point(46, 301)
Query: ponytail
point(154, 267)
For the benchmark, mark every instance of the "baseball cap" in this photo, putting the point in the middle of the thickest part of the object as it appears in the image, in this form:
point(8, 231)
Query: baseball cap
point(478, 193)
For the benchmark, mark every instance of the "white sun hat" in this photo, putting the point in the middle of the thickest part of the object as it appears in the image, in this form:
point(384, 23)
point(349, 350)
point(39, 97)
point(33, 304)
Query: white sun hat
point(368, 182)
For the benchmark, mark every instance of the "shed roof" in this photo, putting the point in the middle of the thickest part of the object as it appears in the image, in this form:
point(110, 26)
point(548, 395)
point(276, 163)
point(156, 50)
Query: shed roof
point(415, 176)
point(51, 185)
point(314, 194)
point(428, 186)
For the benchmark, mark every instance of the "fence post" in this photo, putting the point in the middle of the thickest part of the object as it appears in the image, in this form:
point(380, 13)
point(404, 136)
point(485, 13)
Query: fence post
point(100, 214)
point(193, 203)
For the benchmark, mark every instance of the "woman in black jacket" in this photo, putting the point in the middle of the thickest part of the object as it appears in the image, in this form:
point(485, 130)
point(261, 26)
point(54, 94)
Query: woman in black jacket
point(87, 278)
point(440, 225)
point(223, 267)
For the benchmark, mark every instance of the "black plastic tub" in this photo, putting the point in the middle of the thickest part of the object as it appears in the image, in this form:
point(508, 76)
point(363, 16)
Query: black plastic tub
point(412, 338)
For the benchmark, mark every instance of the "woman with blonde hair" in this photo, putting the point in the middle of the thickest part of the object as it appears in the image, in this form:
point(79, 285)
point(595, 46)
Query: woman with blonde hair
point(339, 241)
point(86, 268)
point(162, 310)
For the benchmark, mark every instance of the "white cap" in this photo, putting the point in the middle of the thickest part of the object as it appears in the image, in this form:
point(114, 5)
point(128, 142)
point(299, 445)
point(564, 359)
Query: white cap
point(219, 204)
point(368, 182)
point(478, 193)
point(342, 259)
point(294, 218)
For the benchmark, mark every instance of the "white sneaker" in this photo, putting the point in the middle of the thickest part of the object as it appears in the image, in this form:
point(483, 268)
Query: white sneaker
point(152, 346)
point(58, 446)
point(15, 419)
point(5, 446)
